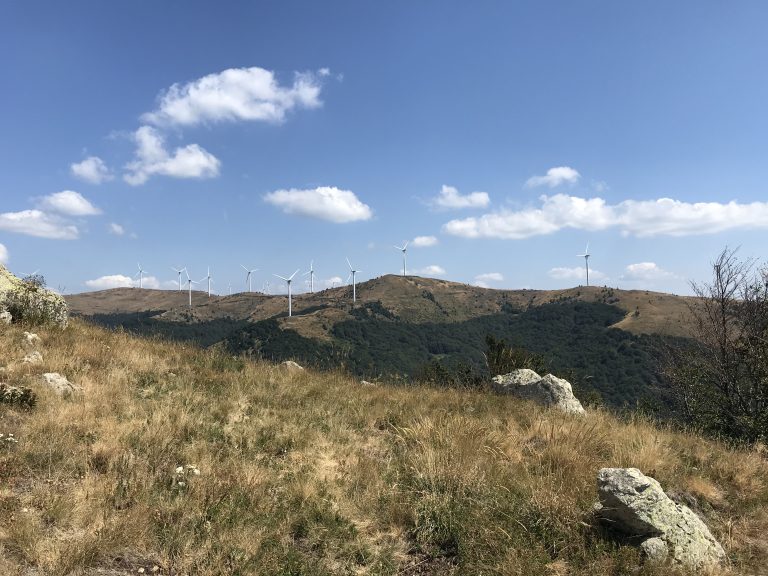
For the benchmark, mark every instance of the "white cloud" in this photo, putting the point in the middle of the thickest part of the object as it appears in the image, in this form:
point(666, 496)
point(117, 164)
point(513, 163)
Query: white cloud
point(645, 271)
point(113, 281)
point(326, 203)
point(490, 277)
point(576, 273)
point(3, 254)
point(236, 94)
point(641, 218)
point(68, 202)
point(449, 198)
point(116, 229)
point(38, 223)
point(554, 177)
point(431, 270)
point(424, 241)
point(152, 158)
point(92, 170)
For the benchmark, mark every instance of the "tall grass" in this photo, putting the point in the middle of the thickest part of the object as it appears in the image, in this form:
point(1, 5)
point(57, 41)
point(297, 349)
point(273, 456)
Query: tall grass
point(314, 474)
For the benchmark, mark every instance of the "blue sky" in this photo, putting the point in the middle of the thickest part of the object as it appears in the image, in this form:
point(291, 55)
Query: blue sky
point(503, 135)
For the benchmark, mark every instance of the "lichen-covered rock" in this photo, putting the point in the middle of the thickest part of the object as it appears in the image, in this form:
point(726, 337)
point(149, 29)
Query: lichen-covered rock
point(28, 301)
point(5, 317)
point(59, 384)
point(635, 504)
point(33, 357)
point(291, 367)
point(549, 391)
point(17, 395)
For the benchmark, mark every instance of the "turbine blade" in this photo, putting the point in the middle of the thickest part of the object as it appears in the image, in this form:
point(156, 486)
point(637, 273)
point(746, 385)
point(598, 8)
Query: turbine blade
point(294, 274)
point(281, 277)
point(406, 244)
point(349, 264)
point(244, 268)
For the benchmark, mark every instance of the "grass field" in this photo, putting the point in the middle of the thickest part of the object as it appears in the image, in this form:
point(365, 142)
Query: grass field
point(176, 460)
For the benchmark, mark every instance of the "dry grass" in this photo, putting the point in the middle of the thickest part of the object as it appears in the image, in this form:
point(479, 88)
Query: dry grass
point(314, 474)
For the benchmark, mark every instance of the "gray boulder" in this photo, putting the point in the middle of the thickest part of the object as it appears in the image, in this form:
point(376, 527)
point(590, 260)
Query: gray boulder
point(60, 385)
point(5, 317)
point(291, 367)
point(636, 505)
point(549, 391)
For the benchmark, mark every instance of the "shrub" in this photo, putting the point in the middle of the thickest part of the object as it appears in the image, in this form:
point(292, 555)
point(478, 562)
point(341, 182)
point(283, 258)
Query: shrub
point(31, 303)
point(503, 359)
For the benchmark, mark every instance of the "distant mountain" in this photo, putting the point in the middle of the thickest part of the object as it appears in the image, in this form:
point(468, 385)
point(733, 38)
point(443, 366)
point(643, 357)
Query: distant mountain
point(606, 340)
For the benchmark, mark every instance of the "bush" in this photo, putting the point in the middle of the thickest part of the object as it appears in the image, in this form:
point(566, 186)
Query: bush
point(720, 382)
point(31, 303)
point(503, 359)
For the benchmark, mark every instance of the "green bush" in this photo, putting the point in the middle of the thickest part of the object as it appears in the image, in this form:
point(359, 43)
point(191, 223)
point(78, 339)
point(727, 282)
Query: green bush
point(31, 303)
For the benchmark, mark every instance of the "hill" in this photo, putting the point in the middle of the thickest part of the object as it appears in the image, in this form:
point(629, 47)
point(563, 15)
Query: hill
point(605, 340)
point(177, 460)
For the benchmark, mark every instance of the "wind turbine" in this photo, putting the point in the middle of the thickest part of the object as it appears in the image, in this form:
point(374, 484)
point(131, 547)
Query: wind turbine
point(209, 281)
point(140, 275)
point(352, 273)
point(311, 273)
point(403, 249)
point(288, 280)
point(179, 271)
point(189, 286)
point(586, 260)
point(26, 275)
point(248, 276)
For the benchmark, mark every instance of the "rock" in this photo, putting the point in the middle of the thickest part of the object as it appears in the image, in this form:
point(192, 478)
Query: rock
point(31, 339)
point(366, 383)
point(636, 505)
point(59, 384)
point(291, 367)
point(33, 357)
point(18, 395)
point(5, 317)
point(655, 550)
point(548, 391)
point(30, 302)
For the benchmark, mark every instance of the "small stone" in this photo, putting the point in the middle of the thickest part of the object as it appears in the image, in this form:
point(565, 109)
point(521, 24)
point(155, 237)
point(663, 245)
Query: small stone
point(60, 385)
point(291, 367)
point(654, 550)
point(366, 383)
point(33, 357)
point(31, 339)
point(5, 317)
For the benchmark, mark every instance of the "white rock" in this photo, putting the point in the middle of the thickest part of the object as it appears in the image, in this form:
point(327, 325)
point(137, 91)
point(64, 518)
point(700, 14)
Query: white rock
point(635, 504)
point(59, 384)
point(291, 367)
point(5, 317)
point(366, 383)
point(549, 391)
point(33, 357)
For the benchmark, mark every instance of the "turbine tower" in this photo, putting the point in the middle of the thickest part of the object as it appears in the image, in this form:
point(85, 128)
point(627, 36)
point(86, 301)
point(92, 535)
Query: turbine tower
point(311, 273)
point(586, 260)
point(403, 249)
point(288, 281)
point(209, 281)
point(189, 287)
point(248, 276)
point(352, 273)
point(140, 274)
point(179, 271)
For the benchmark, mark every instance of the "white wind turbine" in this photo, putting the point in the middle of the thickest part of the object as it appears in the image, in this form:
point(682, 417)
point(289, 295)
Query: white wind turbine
point(311, 273)
point(140, 274)
point(586, 260)
point(248, 276)
point(209, 281)
point(352, 273)
point(189, 287)
point(179, 271)
point(403, 249)
point(288, 281)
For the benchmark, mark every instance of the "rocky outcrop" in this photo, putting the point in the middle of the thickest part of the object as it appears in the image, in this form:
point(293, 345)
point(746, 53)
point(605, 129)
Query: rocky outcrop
point(549, 391)
point(636, 505)
point(291, 367)
point(30, 302)
point(60, 385)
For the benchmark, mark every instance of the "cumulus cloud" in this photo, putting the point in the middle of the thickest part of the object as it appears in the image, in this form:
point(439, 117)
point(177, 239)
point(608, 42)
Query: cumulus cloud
point(326, 203)
point(3, 254)
point(431, 270)
point(116, 229)
point(121, 281)
point(576, 273)
point(152, 158)
point(645, 271)
point(38, 223)
point(490, 277)
point(424, 241)
point(68, 202)
point(643, 218)
point(236, 94)
point(92, 170)
point(450, 199)
point(554, 177)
